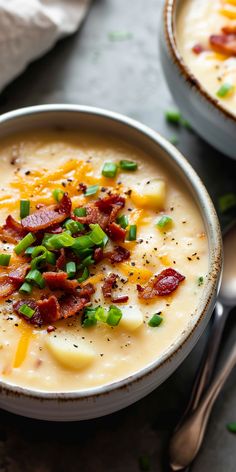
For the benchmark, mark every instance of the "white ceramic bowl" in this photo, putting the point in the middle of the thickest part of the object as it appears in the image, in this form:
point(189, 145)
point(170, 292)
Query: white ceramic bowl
point(100, 401)
point(207, 116)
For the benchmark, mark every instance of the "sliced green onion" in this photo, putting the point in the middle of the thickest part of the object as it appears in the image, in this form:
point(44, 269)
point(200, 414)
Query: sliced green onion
point(123, 221)
point(25, 288)
point(231, 427)
point(173, 116)
point(29, 250)
point(87, 261)
point(200, 281)
point(26, 311)
point(91, 190)
point(35, 277)
point(101, 314)
point(164, 222)
point(57, 194)
point(81, 243)
point(84, 275)
point(89, 318)
point(156, 320)
point(73, 226)
point(132, 233)
point(80, 211)
point(71, 269)
point(114, 315)
point(5, 259)
point(84, 252)
point(97, 234)
point(109, 169)
point(57, 241)
point(38, 251)
point(225, 90)
point(227, 201)
point(128, 165)
point(24, 243)
point(50, 258)
point(38, 262)
point(24, 208)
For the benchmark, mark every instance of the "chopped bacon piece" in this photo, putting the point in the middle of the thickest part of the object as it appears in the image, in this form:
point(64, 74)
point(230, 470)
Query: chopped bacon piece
point(49, 309)
point(94, 215)
point(115, 232)
point(12, 232)
point(224, 43)
point(98, 255)
point(198, 48)
point(161, 285)
point(229, 29)
point(121, 299)
point(17, 275)
point(106, 204)
point(109, 284)
point(56, 230)
point(46, 217)
point(82, 187)
point(61, 261)
point(70, 305)
point(6, 286)
point(86, 291)
point(119, 254)
point(36, 319)
point(60, 281)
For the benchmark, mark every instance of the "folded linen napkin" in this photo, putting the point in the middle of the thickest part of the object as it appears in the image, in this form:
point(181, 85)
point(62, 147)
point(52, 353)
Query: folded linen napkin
point(29, 28)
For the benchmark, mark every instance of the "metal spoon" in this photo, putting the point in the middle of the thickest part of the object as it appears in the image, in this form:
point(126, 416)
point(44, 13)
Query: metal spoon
point(188, 436)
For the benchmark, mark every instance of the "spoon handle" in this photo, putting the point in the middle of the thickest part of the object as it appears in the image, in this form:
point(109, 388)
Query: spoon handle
point(190, 436)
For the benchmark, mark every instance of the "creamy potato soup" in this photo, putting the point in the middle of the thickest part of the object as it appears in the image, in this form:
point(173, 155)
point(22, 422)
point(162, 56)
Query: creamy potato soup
point(103, 259)
point(206, 37)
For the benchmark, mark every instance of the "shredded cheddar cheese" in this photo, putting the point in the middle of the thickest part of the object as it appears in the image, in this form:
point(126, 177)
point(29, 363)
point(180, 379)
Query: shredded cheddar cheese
point(23, 344)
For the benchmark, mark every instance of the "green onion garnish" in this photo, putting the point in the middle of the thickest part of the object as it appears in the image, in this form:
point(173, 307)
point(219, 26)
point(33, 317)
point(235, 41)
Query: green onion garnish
point(29, 250)
point(109, 169)
point(101, 314)
point(89, 317)
point(173, 116)
point(84, 275)
point(156, 320)
point(73, 226)
point(227, 201)
point(38, 251)
point(57, 194)
point(38, 262)
point(132, 233)
point(114, 315)
point(24, 208)
point(128, 165)
point(80, 211)
point(26, 311)
point(231, 427)
point(200, 281)
point(225, 90)
point(35, 277)
point(91, 190)
point(71, 269)
point(123, 221)
point(25, 288)
point(164, 222)
point(5, 259)
point(50, 258)
point(24, 243)
point(57, 241)
point(87, 261)
point(97, 234)
point(82, 243)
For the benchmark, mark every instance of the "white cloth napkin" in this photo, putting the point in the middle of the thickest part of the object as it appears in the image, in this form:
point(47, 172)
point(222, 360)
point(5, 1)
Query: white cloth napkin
point(29, 28)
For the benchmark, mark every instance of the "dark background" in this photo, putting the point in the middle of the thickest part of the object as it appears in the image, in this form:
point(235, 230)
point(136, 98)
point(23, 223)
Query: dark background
point(93, 67)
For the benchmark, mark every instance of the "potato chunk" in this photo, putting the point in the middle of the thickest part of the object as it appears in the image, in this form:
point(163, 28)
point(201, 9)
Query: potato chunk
point(70, 353)
point(150, 195)
point(132, 318)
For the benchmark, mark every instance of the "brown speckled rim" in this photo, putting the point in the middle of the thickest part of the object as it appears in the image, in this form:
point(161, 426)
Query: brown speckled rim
point(214, 241)
point(169, 13)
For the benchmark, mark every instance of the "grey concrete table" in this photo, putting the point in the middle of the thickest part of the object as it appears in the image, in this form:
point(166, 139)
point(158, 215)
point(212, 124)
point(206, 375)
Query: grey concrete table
point(95, 67)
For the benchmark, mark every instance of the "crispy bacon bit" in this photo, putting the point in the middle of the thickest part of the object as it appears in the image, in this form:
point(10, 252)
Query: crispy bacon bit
point(49, 309)
point(60, 281)
point(229, 29)
point(36, 319)
point(119, 254)
point(65, 205)
point(121, 299)
point(56, 230)
point(61, 261)
point(109, 284)
point(161, 285)
point(224, 43)
point(115, 232)
point(106, 204)
point(94, 215)
point(98, 255)
point(82, 187)
point(198, 48)
point(6, 286)
point(17, 275)
point(46, 217)
point(70, 305)
point(86, 291)
point(12, 232)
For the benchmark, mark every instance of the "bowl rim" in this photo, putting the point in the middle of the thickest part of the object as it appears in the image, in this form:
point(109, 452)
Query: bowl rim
point(170, 7)
point(214, 257)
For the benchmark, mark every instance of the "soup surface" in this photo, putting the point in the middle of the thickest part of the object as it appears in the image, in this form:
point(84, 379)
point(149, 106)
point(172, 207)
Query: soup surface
point(206, 37)
point(91, 294)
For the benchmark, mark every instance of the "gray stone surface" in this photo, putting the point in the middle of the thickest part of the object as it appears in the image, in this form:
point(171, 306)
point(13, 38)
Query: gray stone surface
point(125, 76)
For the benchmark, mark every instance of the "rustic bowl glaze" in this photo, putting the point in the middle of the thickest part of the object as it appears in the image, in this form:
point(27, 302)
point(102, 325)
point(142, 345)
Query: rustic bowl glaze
point(207, 116)
point(100, 401)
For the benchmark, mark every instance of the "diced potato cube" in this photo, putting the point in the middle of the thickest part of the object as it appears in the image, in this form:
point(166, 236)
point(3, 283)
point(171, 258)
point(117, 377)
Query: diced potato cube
point(64, 350)
point(132, 318)
point(150, 195)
